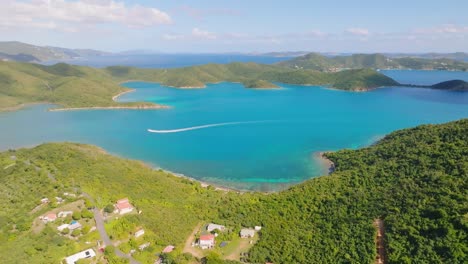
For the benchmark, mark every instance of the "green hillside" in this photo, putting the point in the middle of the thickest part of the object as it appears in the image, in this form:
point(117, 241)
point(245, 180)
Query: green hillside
point(319, 62)
point(79, 86)
point(414, 180)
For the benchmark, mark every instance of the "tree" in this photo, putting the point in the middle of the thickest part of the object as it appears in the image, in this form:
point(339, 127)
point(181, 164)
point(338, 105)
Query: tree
point(109, 208)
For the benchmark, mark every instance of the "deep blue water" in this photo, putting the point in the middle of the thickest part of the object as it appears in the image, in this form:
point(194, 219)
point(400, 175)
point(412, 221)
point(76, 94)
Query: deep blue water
point(170, 60)
point(297, 121)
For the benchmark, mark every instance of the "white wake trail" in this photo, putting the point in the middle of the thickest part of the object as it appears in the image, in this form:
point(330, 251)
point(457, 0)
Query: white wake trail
point(208, 126)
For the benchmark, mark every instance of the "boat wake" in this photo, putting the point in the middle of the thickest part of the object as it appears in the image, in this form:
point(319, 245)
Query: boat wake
point(208, 126)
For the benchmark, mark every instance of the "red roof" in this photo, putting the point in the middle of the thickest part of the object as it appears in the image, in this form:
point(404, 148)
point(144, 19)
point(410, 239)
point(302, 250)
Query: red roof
point(168, 249)
point(122, 206)
point(51, 216)
point(124, 200)
point(207, 237)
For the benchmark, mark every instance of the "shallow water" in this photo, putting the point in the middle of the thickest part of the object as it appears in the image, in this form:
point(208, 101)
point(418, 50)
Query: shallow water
point(271, 135)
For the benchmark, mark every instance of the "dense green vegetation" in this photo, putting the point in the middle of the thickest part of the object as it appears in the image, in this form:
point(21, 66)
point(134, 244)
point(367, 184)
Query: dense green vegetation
point(415, 180)
point(78, 86)
point(319, 62)
point(62, 84)
point(456, 85)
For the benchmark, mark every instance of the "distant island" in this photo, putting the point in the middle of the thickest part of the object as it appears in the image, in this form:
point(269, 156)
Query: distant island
point(81, 87)
point(316, 61)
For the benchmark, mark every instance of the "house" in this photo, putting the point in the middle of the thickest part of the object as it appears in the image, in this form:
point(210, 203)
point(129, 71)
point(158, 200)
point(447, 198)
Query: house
point(247, 233)
point(211, 227)
point(59, 200)
point(139, 233)
point(123, 206)
point(168, 249)
point(258, 228)
point(44, 200)
point(89, 253)
point(62, 227)
point(63, 214)
point(143, 246)
point(74, 225)
point(51, 217)
point(207, 241)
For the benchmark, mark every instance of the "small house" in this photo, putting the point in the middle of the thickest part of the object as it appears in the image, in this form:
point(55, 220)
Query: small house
point(123, 206)
point(143, 246)
point(168, 249)
point(211, 227)
point(89, 253)
point(247, 233)
point(258, 228)
point(44, 200)
point(63, 214)
point(207, 241)
point(51, 217)
point(74, 225)
point(139, 233)
point(59, 200)
point(62, 227)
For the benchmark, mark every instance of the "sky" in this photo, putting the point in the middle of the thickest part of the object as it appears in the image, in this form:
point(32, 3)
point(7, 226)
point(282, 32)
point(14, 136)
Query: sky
point(216, 26)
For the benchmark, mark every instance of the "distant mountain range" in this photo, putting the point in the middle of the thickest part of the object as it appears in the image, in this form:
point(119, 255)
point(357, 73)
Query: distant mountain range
point(319, 62)
point(18, 51)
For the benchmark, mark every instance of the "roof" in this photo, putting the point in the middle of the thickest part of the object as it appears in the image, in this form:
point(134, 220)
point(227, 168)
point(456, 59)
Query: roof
point(51, 216)
point(74, 226)
point(89, 253)
point(247, 232)
point(168, 249)
point(207, 237)
point(123, 200)
point(212, 227)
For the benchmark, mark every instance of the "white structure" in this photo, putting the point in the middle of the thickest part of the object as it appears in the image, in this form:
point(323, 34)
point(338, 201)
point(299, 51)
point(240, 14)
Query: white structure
point(207, 241)
point(74, 225)
point(123, 206)
point(143, 246)
point(62, 227)
point(139, 233)
point(258, 228)
point(44, 200)
point(212, 227)
point(51, 217)
point(64, 213)
point(89, 253)
point(59, 200)
point(247, 233)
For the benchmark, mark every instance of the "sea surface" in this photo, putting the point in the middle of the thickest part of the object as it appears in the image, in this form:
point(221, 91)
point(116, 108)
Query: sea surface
point(241, 138)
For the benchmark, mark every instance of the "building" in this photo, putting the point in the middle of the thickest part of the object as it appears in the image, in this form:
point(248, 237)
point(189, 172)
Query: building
point(74, 225)
point(62, 227)
point(143, 246)
point(211, 227)
point(62, 214)
point(89, 253)
point(59, 200)
point(247, 233)
point(207, 241)
point(51, 217)
point(123, 206)
point(139, 233)
point(258, 228)
point(168, 249)
point(44, 200)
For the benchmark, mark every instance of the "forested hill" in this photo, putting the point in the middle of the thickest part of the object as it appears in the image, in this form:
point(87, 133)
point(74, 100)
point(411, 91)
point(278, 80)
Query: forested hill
point(319, 62)
point(414, 180)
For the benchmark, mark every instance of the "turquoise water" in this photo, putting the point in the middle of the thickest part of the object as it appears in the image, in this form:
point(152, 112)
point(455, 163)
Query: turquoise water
point(273, 150)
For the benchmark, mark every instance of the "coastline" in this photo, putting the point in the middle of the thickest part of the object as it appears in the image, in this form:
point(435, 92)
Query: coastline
point(324, 161)
point(114, 98)
point(20, 106)
point(136, 107)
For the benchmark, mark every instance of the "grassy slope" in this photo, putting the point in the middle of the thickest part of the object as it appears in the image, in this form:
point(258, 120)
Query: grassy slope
point(415, 179)
point(376, 61)
point(62, 84)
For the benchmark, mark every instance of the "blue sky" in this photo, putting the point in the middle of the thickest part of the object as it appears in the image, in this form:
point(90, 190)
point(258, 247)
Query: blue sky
point(239, 26)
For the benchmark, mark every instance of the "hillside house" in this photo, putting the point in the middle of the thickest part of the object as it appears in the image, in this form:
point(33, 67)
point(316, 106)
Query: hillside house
point(123, 206)
point(89, 253)
point(62, 227)
point(74, 225)
point(51, 217)
point(63, 214)
point(211, 227)
point(247, 233)
point(207, 241)
point(139, 233)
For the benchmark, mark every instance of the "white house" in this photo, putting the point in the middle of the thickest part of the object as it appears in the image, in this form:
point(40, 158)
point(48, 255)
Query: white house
point(258, 228)
point(51, 217)
point(207, 241)
point(74, 225)
point(139, 233)
point(62, 227)
point(212, 227)
point(123, 206)
point(247, 233)
point(89, 253)
point(143, 246)
point(44, 200)
point(62, 214)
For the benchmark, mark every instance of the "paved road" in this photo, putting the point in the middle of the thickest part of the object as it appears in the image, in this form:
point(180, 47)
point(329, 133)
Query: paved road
point(102, 232)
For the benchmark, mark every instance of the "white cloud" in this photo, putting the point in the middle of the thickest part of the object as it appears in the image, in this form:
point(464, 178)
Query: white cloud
point(173, 37)
point(61, 14)
point(202, 34)
point(358, 31)
point(443, 29)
